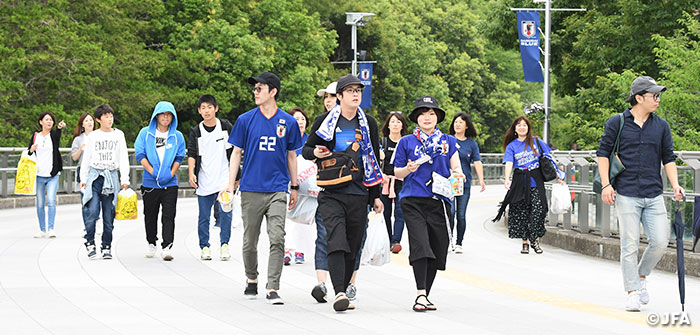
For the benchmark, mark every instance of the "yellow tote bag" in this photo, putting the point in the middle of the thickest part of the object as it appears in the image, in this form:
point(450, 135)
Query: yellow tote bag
point(126, 205)
point(25, 181)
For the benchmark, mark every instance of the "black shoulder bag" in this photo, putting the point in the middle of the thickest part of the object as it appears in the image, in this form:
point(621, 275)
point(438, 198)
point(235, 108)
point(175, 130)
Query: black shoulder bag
point(547, 166)
point(340, 168)
point(616, 166)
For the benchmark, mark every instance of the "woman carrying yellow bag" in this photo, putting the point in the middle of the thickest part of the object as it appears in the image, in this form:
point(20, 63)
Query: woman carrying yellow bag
point(49, 165)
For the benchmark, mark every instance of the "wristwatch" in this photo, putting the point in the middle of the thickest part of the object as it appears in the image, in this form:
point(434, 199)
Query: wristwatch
point(294, 187)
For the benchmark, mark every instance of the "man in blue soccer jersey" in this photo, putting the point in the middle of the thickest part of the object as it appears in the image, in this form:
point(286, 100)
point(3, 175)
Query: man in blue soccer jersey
point(269, 137)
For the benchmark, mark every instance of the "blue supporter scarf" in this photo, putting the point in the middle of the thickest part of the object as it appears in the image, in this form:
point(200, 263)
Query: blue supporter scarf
point(373, 174)
point(431, 145)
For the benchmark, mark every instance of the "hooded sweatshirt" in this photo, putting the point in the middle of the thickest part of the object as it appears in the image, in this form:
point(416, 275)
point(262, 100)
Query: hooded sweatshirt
point(145, 147)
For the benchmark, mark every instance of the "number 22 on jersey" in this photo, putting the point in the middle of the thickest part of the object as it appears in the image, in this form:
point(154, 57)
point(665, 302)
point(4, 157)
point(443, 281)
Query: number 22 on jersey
point(267, 143)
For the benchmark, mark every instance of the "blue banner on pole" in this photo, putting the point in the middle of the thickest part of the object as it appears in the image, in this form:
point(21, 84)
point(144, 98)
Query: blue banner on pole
point(365, 74)
point(529, 36)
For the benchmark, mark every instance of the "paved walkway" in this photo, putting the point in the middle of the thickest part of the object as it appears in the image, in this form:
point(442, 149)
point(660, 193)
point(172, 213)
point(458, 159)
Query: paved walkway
point(49, 286)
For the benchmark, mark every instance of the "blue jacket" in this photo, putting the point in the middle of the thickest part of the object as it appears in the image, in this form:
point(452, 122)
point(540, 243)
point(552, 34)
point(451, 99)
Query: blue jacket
point(145, 147)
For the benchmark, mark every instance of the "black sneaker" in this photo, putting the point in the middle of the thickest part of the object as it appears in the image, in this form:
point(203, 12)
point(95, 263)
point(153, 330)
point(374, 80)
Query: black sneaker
point(91, 251)
point(251, 290)
point(273, 298)
point(106, 253)
point(320, 292)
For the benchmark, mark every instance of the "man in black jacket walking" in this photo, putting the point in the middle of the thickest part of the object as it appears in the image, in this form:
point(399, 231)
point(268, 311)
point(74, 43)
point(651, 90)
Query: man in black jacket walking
point(344, 207)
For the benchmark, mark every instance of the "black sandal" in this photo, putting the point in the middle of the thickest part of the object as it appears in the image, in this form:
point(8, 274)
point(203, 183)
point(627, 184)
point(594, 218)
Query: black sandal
point(526, 249)
point(536, 247)
point(430, 306)
point(417, 304)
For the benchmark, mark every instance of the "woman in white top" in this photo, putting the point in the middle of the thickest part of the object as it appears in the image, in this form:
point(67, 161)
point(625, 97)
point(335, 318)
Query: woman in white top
point(49, 165)
point(85, 126)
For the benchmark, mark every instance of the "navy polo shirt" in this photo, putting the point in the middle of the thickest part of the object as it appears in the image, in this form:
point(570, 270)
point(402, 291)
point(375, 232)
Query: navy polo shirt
point(643, 150)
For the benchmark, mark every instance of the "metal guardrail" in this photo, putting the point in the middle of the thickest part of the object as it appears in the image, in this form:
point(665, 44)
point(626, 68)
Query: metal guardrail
point(588, 214)
point(9, 157)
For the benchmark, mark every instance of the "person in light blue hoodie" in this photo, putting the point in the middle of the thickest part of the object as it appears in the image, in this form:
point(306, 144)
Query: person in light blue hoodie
point(160, 148)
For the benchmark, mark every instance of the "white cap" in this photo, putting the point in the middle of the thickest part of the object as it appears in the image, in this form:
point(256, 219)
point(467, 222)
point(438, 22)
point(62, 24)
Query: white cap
point(330, 89)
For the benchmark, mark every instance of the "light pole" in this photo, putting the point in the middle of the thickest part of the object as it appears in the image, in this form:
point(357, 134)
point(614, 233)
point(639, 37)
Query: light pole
point(547, 33)
point(356, 19)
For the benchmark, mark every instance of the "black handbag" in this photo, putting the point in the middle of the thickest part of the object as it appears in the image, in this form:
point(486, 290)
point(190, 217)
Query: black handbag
point(616, 166)
point(340, 168)
point(547, 166)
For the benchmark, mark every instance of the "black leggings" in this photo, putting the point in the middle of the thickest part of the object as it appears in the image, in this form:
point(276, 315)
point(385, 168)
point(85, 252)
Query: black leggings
point(424, 270)
point(341, 265)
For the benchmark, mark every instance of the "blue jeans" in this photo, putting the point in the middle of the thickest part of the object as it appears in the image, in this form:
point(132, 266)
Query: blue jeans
point(460, 208)
point(395, 236)
point(205, 204)
point(321, 253)
point(651, 213)
point(92, 212)
point(46, 188)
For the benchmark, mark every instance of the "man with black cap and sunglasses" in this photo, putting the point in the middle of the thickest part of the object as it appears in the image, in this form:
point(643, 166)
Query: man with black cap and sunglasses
point(426, 160)
point(646, 143)
point(346, 130)
point(269, 137)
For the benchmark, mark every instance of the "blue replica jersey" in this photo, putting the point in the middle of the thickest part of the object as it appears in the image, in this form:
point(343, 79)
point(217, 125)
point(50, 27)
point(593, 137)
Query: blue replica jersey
point(303, 141)
point(468, 153)
point(265, 143)
point(524, 159)
point(345, 133)
point(414, 185)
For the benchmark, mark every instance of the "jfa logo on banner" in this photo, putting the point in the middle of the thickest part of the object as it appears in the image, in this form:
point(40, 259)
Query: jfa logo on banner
point(528, 28)
point(364, 74)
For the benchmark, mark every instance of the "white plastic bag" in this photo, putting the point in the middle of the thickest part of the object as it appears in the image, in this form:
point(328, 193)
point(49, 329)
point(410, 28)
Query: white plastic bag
point(376, 250)
point(561, 199)
point(305, 210)
point(236, 212)
point(306, 178)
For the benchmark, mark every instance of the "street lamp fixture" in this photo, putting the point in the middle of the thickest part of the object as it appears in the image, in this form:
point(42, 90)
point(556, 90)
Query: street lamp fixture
point(356, 19)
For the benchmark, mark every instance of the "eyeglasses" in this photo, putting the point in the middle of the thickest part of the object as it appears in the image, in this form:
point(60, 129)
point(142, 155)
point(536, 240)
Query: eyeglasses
point(395, 113)
point(257, 90)
point(353, 90)
point(656, 96)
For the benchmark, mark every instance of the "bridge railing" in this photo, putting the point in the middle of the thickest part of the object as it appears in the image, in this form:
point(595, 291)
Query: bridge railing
point(9, 157)
point(588, 214)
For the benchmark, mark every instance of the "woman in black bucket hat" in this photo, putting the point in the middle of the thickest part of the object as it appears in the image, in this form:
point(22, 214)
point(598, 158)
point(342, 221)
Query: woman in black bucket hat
point(426, 160)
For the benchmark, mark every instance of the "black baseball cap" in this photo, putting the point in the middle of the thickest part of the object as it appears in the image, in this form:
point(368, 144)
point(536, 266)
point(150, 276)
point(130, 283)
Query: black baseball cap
point(268, 78)
point(644, 84)
point(427, 102)
point(346, 80)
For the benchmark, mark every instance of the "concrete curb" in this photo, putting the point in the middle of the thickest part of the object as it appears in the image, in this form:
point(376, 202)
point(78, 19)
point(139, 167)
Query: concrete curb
point(609, 248)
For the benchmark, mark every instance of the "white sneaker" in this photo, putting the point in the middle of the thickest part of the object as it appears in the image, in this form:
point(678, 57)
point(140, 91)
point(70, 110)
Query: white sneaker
point(205, 255)
point(167, 253)
point(225, 254)
point(151, 251)
point(632, 304)
point(40, 234)
point(458, 249)
point(51, 234)
point(643, 293)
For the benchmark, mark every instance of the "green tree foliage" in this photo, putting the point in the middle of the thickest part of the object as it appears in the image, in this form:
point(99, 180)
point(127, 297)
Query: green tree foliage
point(70, 56)
point(436, 47)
